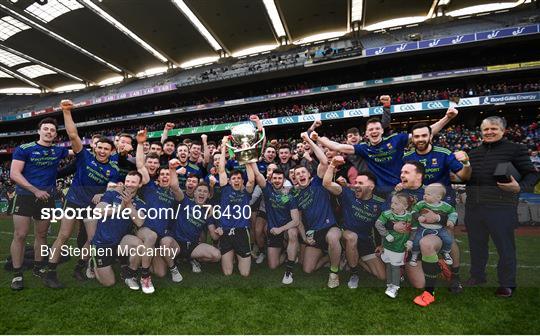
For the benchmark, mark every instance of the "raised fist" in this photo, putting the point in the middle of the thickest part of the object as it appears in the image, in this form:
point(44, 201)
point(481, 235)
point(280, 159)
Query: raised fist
point(451, 113)
point(314, 136)
point(66, 104)
point(204, 137)
point(338, 161)
point(174, 163)
point(341, 181)
point(385, 100)
point(181, 171)
point(142, 136)
point(169, 126)
point(126, 148)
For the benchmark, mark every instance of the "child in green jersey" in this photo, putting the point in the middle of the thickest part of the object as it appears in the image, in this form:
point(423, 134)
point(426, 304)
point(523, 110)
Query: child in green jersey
point(433, 201)
point(394, 242)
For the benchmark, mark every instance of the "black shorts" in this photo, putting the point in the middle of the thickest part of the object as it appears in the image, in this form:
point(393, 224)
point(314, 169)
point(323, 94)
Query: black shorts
point(30, 206)
point(186, 248)
point(365, 246)
point(320, 239)
point(236, 239)
point(275, 240)
point(107, 259)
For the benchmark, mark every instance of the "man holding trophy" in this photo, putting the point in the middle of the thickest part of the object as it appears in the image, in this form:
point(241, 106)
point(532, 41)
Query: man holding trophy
point(233, 212)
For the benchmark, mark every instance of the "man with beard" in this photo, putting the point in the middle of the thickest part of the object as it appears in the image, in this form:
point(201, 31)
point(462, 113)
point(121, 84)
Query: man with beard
point(439, 162)
point(361, 210)
point(33, 169)
point(424, 274)
point(160, 195)
point(234, 232)
point(186, 168)
point(113, 232)
point(319, 223)
point(283, 219)
point(93, 173)
point(384, 155)
point(185, 232)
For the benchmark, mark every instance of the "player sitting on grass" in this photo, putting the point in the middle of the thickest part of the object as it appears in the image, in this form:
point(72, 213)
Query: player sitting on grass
point(433, 200)
point(394, 242)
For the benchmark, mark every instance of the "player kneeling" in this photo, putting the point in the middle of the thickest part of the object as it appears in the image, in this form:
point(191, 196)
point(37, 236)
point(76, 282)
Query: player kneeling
point(186, 230)
point(112, 238)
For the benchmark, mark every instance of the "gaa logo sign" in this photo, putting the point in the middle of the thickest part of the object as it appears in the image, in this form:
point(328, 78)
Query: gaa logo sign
point(378, 110)
point(286, 120)
point(465, 102)
point(308, 117)
point(407, 108)
point(331, 115)
point(267, 122)
point(435, 105)
point(356, 113)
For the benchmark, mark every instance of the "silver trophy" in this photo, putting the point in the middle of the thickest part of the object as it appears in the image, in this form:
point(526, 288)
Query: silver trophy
point(246, 143)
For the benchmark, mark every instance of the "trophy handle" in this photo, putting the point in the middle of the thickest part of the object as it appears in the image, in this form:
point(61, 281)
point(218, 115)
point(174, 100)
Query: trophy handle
point(261, 139)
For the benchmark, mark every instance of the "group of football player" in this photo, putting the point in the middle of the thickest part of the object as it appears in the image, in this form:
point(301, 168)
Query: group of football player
point(384, 204)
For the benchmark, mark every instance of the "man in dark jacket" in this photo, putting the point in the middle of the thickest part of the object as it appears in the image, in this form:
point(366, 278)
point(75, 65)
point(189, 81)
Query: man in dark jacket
point(491, 207)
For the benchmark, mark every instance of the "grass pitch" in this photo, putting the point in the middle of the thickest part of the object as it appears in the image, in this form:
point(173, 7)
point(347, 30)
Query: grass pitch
point(209, 303)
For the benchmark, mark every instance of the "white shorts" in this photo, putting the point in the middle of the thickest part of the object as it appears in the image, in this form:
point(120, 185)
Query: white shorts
point(393, 258)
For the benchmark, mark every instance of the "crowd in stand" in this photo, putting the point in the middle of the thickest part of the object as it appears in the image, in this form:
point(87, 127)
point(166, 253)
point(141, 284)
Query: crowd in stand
point(454, 137)
point(279, 110)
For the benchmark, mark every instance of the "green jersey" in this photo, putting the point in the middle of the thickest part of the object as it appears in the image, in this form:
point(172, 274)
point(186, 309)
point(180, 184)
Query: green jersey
point(398, 245)
point(442, 208)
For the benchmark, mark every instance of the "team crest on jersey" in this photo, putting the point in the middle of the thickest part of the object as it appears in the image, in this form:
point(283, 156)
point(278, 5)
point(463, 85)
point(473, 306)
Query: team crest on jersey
point(389, 145)
point(434, 161)
point(108, 173)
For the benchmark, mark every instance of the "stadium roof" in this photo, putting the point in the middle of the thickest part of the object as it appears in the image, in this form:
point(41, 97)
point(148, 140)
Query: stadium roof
point(51, 44)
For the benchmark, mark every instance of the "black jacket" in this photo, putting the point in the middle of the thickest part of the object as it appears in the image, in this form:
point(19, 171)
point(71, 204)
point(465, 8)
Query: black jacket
point(482, 187)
